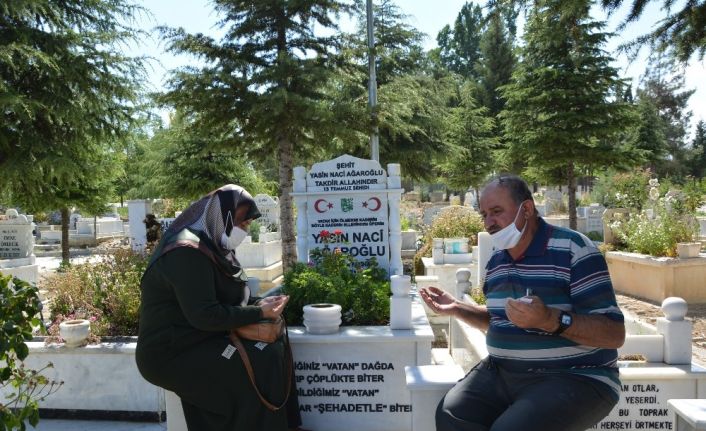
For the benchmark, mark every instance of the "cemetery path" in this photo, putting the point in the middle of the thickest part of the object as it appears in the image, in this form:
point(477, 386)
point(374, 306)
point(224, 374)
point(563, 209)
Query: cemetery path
point(649, 312)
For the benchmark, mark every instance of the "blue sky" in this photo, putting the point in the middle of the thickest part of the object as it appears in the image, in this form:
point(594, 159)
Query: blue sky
point(429, 16)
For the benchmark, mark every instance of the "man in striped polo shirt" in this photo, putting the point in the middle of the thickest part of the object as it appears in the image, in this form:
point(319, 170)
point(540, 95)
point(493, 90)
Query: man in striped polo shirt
point(552, 326)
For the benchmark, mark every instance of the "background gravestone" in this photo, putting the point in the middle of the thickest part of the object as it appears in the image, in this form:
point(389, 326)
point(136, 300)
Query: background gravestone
point(269, 208)
point(552, 201)
point(16, 237)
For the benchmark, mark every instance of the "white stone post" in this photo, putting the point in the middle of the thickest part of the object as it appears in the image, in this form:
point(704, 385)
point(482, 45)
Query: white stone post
point(437, 251)
point(394, 195)
point(137, 210)
point(485, 250)
point(676, 331)
point(463, 285)
point(400, 302)
point(463, 282)
point(302, 222)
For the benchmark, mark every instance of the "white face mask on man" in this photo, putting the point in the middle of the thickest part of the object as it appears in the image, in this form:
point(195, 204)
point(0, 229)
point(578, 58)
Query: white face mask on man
point(509, 236)
point(236, 237)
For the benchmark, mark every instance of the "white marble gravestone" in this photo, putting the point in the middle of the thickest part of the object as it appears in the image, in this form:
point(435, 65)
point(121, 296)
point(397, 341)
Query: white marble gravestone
point(355, 202)
point(137, 211)
point(16, 238)
point(17, 246)
point(269, 208)
point(552, 200)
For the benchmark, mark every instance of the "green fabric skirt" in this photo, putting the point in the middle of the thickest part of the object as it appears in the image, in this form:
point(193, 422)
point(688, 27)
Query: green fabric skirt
point(215, 391)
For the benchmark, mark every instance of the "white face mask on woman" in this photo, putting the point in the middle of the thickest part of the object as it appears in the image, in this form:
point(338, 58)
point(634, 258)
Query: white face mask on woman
point(237, 235)
point(509, 236)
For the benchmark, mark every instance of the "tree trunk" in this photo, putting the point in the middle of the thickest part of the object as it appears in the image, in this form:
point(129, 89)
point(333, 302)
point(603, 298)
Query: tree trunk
point(572, 195)
point(286, 213)
point(65, 236)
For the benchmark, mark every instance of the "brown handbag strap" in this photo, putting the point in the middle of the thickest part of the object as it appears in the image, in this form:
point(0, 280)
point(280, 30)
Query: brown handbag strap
point(248, 367)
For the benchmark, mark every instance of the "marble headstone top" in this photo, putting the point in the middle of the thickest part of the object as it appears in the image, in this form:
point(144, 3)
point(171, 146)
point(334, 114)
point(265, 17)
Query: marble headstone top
point(269, 208)
point(16, 238)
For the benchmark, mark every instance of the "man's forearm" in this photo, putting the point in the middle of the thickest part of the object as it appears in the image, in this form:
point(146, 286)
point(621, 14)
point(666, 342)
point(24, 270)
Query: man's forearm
point(590, 330)
point(475, 315)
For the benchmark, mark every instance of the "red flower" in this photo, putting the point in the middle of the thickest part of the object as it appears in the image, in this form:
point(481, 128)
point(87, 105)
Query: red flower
point(338, 232)
point(324, 234)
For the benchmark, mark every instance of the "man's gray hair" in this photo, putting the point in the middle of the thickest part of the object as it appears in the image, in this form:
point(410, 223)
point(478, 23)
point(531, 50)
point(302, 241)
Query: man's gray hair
point(518, 188)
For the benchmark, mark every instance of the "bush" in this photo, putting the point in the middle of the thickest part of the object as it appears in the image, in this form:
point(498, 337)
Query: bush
point(622, 190)
point(19, 302)
point(254, 231)
point(693, 194)
point(454, 222)
point(595, 236)
point(658, 234)
point(107, 293)
point(362, 289)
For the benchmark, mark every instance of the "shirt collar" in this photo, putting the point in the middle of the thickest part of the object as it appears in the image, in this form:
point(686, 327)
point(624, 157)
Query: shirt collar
point(540, 240)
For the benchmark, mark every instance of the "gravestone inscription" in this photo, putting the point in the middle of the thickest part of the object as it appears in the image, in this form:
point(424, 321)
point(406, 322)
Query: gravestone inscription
point(16, 238)
point(643, 405)
point(356, 387)
point(350, 214)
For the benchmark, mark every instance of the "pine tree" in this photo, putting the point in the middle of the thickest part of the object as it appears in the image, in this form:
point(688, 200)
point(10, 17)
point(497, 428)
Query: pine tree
point(412, 99)
point(649, 134)
point(698, 146)
point(560, 114)
point(459, 48)
point(663, 86)
point(262, 86)
point(469, 130)
point(398, 45)
point(184, 163)
point(68, 101)
point(496, 64)
point(683, 31)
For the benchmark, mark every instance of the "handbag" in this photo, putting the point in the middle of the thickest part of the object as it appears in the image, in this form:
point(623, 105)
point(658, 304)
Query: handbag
point(266, 331)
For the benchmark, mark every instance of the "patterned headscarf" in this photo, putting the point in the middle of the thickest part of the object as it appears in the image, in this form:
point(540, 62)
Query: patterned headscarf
point(210, 218)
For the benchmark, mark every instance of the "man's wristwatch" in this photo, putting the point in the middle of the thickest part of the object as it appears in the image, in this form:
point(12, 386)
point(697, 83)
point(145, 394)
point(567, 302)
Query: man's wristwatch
point(565, 320)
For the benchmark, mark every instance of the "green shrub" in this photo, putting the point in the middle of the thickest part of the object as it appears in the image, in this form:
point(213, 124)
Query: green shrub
point(362, 289)
point(622, 190)
point(477, 295)
point(405, 224)
point(693, 194)
point(19, 306)
point(41, 217)
point(595, 236)
point(107, 293)
point(453, 222)
point(254, 231)
point(657, 235)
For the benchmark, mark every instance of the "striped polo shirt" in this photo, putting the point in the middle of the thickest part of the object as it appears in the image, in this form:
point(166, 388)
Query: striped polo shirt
point(566, 270)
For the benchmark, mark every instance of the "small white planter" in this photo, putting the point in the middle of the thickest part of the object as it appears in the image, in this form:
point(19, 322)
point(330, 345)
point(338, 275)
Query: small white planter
point(688, 249)
point(75, 332)
point(322, 318)
point(455, 245)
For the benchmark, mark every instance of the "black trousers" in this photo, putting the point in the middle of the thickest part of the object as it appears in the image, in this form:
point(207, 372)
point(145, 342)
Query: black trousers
point(491, 398)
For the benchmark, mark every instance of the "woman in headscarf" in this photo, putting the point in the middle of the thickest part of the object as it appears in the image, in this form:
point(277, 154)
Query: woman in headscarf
point(194, 292)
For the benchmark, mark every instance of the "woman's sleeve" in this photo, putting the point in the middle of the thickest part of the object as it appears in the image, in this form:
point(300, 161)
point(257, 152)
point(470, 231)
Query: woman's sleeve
point(193, 278)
